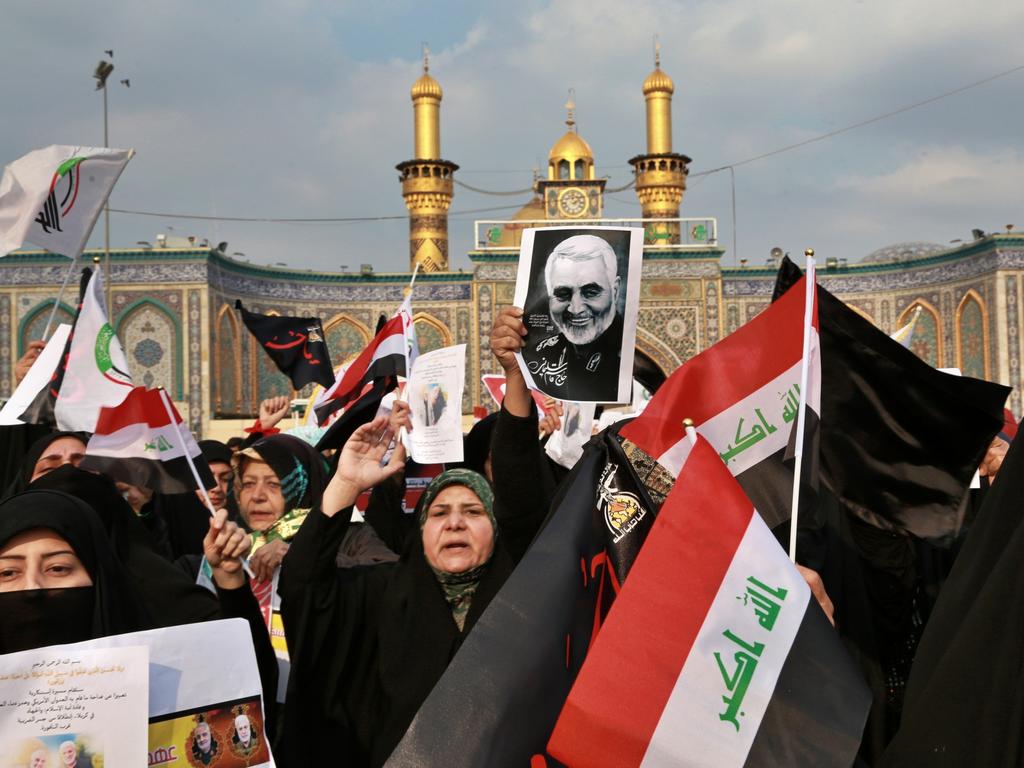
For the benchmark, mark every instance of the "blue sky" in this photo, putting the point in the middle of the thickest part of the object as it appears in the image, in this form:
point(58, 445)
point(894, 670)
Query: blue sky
point(301, 108)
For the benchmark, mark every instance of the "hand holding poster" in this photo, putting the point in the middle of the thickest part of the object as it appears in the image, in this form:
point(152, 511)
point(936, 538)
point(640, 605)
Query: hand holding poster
point(579, 288)
point(495, 385)
point(74, 706)
point(434, 393)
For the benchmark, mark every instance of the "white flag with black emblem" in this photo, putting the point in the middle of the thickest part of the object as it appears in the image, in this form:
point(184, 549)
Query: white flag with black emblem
point(52, 197)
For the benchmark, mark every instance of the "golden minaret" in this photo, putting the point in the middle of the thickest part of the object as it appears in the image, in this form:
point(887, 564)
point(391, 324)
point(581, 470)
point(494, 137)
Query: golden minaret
point(661, 173)
point(427, 179)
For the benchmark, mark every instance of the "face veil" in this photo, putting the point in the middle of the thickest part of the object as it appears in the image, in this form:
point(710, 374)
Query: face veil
point(110, 606)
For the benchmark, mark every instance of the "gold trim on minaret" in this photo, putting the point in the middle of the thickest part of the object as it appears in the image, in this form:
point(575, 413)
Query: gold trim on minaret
point(427, 180)
point(660, 173)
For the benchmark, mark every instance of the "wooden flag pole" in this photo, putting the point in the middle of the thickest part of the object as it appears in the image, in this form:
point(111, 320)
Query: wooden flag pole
point(191, 465)
point(412, 282)
point(809, 297)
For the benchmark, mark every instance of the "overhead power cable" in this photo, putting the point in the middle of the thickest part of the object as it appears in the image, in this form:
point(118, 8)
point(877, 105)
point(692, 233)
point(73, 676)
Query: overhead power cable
point(862, 123)
point(272, 220)
point(471, 188)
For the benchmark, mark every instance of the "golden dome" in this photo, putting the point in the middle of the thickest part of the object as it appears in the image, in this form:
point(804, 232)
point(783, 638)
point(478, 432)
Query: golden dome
point(658, 81)
point(571, 147)
point(426, 86)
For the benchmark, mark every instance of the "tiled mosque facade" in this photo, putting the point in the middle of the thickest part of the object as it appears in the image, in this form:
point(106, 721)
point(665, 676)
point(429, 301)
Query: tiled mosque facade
point(173, 311)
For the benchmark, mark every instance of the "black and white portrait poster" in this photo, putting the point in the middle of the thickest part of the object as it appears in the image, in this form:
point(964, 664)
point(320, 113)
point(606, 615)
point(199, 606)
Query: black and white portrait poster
point(579, 288)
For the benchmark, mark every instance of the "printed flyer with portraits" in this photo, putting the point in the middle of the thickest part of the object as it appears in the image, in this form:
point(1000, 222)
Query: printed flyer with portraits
point(434, 393)
point(579, 288)
point(199, 684)
point(74, 706)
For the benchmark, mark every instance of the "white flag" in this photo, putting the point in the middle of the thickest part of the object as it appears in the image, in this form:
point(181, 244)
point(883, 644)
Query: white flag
point(52, 197)
point(97, 370)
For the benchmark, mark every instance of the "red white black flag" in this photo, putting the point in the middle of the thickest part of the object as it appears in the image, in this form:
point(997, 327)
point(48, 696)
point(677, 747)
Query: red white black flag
point(143, 442)
point(714, 652)
point(385, 355)
point(743, 396)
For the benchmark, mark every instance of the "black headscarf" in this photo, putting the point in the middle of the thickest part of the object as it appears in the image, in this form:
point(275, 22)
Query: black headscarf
point(169, 595)
point(476, 446)
point(40, 617)
point(32, 455)
point(300, 469)
point(215, 450)
point(99, 492)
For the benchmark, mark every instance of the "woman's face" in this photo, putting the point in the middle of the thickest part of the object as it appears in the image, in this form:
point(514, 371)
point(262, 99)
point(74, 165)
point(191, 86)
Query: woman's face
point(40, 559)
point(63, 450)
point(259, 496)
point(457, 534)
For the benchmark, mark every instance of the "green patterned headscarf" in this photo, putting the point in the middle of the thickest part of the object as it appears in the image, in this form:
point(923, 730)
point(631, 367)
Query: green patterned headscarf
point(467, 477)
point(459, 588)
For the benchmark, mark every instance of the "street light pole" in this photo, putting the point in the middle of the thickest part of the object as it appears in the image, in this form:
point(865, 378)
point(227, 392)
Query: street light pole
point(106, 214)
point(103, 70)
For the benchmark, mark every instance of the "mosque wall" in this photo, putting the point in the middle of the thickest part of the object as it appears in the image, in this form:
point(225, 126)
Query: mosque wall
point(174, 313)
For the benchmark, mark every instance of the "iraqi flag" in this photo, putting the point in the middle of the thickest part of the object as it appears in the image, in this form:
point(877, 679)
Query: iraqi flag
point(743, 395)
point(52, 197)
point(143, 442)
point(386, 355)
point(296, 345)
point(714, 652)
point(95, 369)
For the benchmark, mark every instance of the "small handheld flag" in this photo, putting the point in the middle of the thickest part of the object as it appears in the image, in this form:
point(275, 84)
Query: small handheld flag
point(143, 442)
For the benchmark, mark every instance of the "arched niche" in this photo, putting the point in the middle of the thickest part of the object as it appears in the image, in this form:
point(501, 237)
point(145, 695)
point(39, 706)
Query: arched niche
point(227, 363)
point(972, 357)
point(926, 341)
point(346, 338)
point(150, 333)
point(34, 322)
point(431, 333)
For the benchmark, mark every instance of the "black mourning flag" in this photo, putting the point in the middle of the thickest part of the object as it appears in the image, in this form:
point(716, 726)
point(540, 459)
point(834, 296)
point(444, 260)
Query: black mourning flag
point(965, 699)
point(516, 667)
point(900, 440)
point(297, 346)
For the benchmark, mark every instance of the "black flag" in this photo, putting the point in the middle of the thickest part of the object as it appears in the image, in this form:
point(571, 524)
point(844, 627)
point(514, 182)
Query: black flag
point(296, 345)
point(900, 440)
point(965, 698)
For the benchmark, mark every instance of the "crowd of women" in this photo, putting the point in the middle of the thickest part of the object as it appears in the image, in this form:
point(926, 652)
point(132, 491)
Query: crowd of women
point(373, 610)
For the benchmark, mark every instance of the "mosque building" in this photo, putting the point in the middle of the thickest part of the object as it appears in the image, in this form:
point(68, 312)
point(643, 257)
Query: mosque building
point(173, 303)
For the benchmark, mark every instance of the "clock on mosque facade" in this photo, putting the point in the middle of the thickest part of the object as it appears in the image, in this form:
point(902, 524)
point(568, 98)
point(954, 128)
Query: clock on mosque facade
point(572, 202)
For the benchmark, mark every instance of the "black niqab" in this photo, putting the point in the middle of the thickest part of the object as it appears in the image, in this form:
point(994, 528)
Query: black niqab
point(171, 597)
point(32, 455)
point(115, 606)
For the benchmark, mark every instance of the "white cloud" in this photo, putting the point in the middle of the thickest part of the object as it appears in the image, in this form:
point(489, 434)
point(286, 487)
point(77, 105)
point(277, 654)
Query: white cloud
point(261, 110)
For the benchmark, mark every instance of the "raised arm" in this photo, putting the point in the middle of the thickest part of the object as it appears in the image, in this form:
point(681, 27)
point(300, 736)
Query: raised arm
point(521, 495)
